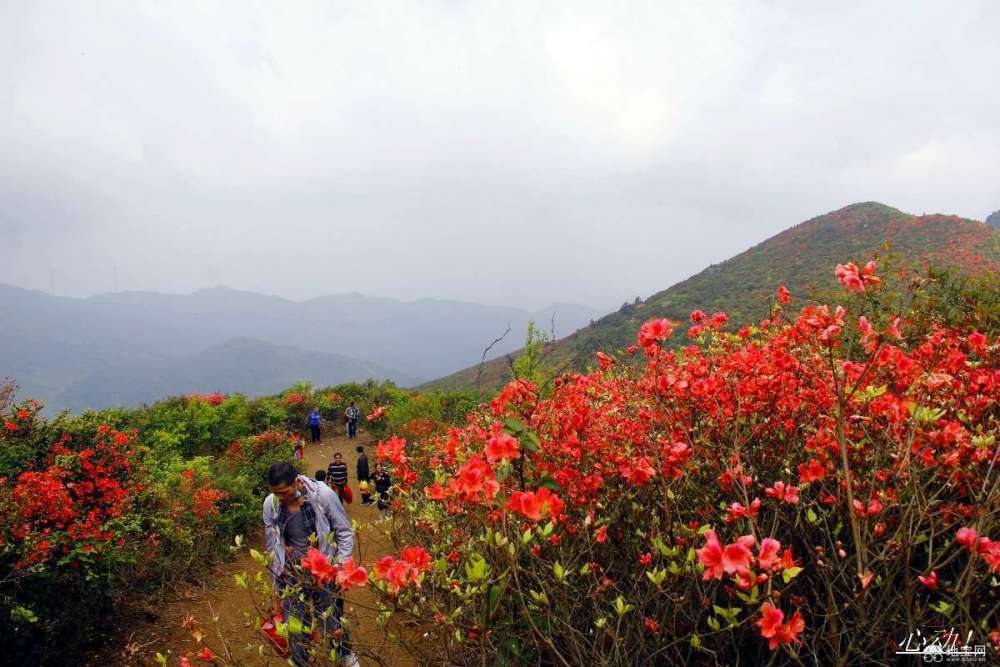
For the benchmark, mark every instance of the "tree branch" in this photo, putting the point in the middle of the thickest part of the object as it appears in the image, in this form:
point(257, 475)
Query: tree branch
point(489, 347)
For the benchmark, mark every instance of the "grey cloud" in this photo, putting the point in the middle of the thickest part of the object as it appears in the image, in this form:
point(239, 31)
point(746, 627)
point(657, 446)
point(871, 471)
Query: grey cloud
point(494, 152)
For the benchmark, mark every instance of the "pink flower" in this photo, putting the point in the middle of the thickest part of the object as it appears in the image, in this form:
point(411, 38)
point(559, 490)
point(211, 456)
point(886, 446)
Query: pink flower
point(350, 575)
point(768, 557)
point(788, 494)
point(966, 537)
point(930, 581)
point(719, 560)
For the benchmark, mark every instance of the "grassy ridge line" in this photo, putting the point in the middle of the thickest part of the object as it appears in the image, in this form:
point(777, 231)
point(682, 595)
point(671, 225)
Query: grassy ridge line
point(799, 257)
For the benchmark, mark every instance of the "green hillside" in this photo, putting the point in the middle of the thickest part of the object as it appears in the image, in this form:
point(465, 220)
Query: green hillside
point(801, 258)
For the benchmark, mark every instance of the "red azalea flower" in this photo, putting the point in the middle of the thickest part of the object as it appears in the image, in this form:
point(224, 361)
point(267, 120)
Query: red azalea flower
point(775, 630)
point(768, 557)
point(813, 471)
point(930, 581)
point(788, 494)
point(319, 566)
point(206, 655)
point(350, 575)
point(719, 560)
point(654, 331)
point(966, 537)
point(502, 447)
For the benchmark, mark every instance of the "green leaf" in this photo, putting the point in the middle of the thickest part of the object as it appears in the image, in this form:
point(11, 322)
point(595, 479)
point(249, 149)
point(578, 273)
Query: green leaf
point(695, 641)
point(531, 442)
point(790, 573)
point(811, 516)
point(713, 623)
point(514, 425)
point(476, 568)
point(494, 600)
point(943, 607)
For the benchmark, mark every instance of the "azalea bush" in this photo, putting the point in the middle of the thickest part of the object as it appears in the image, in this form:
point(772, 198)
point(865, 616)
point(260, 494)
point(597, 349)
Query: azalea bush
point(99, 512)
point(68, 530)
point(809, 489)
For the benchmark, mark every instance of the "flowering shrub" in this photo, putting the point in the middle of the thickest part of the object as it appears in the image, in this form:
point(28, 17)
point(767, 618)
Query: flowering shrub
point(812, 488)
point(67, 525)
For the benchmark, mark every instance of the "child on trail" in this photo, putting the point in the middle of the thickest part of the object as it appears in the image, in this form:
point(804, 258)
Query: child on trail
point(352, 420)
point(300, 448)
point(314, 422)
point(383, 485)
point(363, 477)
point(336, 474)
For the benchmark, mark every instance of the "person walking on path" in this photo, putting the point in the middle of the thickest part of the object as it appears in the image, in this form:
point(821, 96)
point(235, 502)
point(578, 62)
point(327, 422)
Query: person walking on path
point(298, 512)
point(383, 484)
point(352, 420)
point(314, 422)
point(300, 448)
point(336, 475)
point(363, 476)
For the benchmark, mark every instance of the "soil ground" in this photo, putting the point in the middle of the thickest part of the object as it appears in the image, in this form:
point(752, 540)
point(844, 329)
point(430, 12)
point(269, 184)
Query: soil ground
point(225, 611)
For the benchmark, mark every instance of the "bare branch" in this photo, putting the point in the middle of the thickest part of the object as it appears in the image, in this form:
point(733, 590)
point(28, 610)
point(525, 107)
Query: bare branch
point(489, 347)
point(8, 388)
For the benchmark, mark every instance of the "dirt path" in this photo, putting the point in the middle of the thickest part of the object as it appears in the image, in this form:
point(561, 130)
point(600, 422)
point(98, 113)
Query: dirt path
point(233, 607)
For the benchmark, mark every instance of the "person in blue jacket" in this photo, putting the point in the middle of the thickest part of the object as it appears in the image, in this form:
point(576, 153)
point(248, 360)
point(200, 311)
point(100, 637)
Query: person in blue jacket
point(314, 422)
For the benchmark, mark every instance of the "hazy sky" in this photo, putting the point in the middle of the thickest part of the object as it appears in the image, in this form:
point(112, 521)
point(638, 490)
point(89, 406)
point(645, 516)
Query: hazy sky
point(499, 152)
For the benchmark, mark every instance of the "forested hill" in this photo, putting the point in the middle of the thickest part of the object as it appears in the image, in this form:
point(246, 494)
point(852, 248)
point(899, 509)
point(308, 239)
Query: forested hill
point(800, 258)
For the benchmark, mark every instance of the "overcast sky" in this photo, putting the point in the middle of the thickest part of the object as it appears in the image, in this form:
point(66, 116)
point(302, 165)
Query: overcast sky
point(494, 152)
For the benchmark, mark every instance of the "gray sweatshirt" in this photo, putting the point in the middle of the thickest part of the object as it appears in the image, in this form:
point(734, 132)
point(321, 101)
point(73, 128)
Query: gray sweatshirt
point(333, 527)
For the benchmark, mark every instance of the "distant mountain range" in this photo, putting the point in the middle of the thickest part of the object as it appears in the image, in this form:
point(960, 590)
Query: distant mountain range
point(800, 258)
point(129, 347)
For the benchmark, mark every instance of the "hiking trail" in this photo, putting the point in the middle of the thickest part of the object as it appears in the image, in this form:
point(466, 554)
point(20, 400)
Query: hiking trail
point(221, 598)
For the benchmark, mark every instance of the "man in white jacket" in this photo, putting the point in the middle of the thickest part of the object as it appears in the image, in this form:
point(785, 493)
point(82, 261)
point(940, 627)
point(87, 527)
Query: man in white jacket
point(297, 508)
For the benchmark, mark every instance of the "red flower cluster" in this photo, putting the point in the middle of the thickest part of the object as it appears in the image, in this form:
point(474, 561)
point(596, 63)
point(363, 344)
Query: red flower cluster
point(398, 573)
point(70, 503)
point(346, 576)
point(294, 398)
point(775, 630)
point(215, 398)
point(628, 463)
point(854, 280)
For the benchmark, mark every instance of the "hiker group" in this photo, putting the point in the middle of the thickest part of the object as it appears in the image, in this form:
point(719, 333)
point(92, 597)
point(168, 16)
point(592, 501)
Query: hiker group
point(350, 422)
point(303, 512)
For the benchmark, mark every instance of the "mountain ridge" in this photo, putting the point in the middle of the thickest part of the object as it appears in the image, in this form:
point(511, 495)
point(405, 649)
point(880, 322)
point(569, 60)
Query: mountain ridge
point(801, 257)
point(50, 342)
